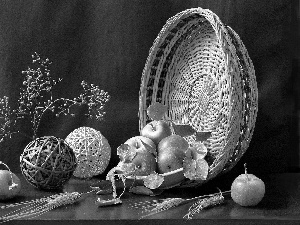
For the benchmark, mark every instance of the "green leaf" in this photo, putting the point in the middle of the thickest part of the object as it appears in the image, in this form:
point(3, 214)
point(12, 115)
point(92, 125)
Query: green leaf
point(156, 111)
point(153, 180)
point(127, 168)
point(149, 148)
point(199, 150)
point(203, 136)
point(183, 130)
point(141, 190)
point(126, 153)
point(195, 169)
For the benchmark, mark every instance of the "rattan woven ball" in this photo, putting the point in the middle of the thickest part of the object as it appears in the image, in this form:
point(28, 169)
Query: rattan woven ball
point(200, 68)
point(48, 163)
point(92, 151)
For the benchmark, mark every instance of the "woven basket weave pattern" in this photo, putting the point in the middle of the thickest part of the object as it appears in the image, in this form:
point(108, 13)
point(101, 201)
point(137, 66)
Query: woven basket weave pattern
point(201, 70)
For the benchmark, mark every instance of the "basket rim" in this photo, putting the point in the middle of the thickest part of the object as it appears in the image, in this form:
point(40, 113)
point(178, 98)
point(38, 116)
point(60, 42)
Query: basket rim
point(207, 15)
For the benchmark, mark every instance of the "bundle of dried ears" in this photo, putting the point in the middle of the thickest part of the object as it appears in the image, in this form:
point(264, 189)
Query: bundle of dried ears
point(37, 207)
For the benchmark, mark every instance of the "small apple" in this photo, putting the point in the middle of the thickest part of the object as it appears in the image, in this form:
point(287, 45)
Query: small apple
point(10, 185)
point(171, 152)
point(144, 159)
point(247, 189)
point(156, 130)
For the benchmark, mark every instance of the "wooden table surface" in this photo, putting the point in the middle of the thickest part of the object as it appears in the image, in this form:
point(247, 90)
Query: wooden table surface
point(281, 205)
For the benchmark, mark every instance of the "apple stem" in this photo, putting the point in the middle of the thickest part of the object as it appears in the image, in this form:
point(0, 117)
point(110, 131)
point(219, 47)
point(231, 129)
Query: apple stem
point(245, 166)
point(13, 185)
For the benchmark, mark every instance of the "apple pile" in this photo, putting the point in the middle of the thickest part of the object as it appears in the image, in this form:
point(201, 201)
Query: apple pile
point(161, 149)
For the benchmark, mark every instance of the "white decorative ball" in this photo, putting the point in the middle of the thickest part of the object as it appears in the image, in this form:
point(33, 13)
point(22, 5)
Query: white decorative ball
point(92, 151)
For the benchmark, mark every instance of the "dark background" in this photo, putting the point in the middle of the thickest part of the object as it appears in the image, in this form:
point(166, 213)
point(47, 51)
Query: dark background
point(107, 42)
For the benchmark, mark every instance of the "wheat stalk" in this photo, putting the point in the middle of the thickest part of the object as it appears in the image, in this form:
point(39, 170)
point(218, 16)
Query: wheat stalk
point(37, 207)
point(163, 206)
point(203, 204)
point(204, 201)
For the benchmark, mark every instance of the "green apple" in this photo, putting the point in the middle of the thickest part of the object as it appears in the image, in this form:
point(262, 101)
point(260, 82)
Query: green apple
point(144, 159)
point(10, 185)
point(171, 152)
point(247, 189)
point(156, 130)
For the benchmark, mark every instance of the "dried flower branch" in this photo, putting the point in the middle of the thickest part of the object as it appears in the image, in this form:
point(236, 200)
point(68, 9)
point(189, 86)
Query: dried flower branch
point(36, 98)
point(7, 119)
point(95, 98)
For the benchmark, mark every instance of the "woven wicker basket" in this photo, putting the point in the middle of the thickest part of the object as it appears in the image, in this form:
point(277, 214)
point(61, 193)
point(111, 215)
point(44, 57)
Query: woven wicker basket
point(201, 70)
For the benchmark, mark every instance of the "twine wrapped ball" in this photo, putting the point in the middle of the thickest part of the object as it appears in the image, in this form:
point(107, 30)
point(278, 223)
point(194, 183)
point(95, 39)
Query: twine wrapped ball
point(48, 163)
point(92, 151)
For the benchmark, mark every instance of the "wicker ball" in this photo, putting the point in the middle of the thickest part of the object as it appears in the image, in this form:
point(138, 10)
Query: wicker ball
point(48, 163)
point(201, 70)
point(92, 151)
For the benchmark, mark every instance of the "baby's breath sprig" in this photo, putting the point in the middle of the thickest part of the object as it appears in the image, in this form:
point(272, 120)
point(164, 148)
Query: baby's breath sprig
point(36, 94)
point(7, 119)
point(95, 98)
point(36, 98)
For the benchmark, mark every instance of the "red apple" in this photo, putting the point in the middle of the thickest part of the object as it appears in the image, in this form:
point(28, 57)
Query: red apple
point(156, 130)
point(144, 159)
point(247, 189)
point(10, 185)
point(171, 152)
point(141, 143)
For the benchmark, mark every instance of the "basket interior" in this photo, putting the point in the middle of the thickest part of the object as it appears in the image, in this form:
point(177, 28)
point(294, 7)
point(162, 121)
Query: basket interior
point(190, 69)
